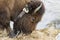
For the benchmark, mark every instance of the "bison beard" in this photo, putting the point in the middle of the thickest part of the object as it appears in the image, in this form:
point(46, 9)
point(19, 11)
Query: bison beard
point(10, 9)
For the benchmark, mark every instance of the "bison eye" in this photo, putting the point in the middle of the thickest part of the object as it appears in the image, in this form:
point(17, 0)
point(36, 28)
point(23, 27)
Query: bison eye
point(32, 20)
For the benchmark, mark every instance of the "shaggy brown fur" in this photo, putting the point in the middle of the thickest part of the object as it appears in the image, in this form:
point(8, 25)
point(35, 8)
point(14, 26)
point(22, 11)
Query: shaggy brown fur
point(28, 22)
point(4, 15)
point(10, 9)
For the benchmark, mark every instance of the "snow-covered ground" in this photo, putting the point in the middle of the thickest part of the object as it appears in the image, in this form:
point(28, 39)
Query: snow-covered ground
point(52, 13)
